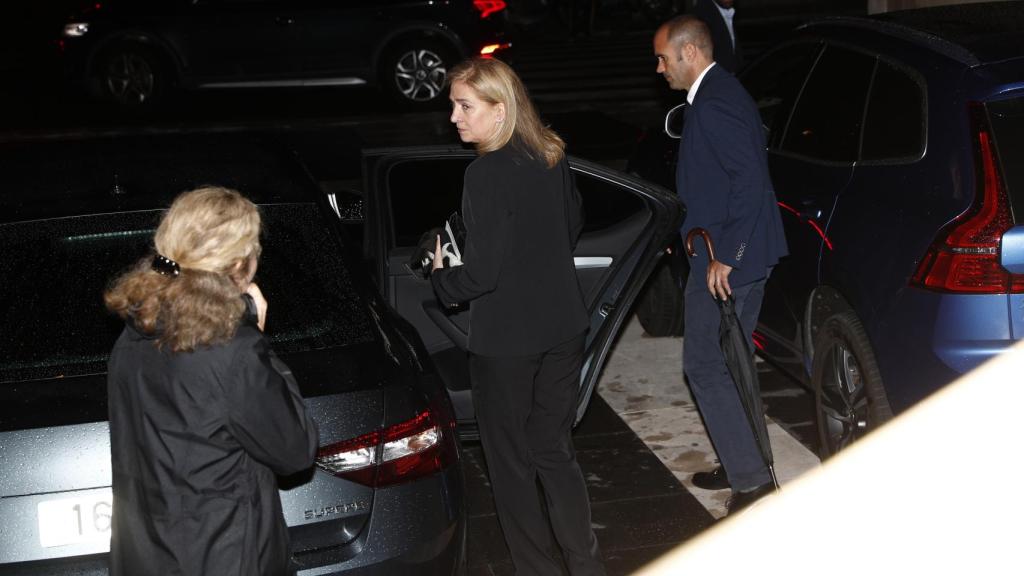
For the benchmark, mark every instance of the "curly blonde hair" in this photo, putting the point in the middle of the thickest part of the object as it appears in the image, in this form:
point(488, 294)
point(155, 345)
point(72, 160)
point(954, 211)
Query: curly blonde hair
point(496, 83)
point(213, 235)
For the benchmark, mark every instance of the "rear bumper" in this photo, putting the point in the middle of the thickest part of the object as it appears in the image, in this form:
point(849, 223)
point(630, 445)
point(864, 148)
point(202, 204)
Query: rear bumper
point(931, 339)
point(415, 528)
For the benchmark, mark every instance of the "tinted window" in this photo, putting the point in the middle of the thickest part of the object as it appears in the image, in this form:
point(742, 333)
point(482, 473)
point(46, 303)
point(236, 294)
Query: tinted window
point(425, 192)
point(775, 82)
point(827, 120)
point(54, 272)
point(1007, 118)
point(604, 203)
point(895, 123)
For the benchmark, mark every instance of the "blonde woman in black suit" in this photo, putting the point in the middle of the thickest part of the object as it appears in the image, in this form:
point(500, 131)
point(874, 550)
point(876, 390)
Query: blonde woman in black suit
point(523, 216)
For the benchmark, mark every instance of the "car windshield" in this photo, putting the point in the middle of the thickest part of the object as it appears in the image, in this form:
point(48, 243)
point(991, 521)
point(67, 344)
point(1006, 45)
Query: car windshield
point(54, 272)
point(1007, 118)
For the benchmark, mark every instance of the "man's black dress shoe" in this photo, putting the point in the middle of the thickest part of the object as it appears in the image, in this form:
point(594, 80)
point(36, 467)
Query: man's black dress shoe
point(716, 479)
point(740, 500)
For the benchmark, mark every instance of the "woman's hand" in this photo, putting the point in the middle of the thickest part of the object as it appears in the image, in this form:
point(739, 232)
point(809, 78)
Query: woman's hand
point(261, 304)
point(438, 254)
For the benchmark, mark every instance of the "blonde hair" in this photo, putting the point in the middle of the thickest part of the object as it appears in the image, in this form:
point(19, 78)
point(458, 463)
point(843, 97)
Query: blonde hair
point(212, 234)
point(496, 83)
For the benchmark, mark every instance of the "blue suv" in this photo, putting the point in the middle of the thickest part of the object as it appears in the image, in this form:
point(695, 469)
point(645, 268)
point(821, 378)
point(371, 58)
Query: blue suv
point(896, 147)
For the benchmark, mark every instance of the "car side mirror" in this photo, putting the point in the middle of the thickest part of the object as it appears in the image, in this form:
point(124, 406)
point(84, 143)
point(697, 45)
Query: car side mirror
point(1011, 255)
point(347, 205)
point(674, 121)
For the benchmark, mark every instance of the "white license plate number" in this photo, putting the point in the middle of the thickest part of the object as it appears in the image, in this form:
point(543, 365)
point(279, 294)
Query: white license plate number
point(75, 520)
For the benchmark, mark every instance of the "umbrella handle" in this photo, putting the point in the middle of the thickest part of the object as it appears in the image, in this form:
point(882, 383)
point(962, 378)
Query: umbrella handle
point(707, 242)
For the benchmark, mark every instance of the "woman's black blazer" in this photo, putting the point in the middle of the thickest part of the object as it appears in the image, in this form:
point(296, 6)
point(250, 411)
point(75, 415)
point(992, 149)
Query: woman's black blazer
point(522, 222)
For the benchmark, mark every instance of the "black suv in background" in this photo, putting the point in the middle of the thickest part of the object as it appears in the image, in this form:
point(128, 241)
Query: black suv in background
point(132, 53)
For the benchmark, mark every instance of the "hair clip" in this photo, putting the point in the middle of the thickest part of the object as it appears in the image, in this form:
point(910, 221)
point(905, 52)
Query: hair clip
point(165, 266)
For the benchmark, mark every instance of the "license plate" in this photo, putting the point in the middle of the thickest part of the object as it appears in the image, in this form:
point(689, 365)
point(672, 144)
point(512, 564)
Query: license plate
point(75, 520)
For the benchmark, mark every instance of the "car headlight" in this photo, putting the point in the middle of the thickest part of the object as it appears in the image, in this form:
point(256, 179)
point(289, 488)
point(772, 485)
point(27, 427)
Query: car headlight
point(75, 29)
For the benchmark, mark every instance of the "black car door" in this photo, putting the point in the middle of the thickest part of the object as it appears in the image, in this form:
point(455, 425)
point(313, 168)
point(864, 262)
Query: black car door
point(409, 191)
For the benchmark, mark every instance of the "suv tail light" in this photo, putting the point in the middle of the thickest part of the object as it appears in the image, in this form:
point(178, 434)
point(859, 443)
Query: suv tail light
point(964, 258)
point(400, 453)
point(488, 7)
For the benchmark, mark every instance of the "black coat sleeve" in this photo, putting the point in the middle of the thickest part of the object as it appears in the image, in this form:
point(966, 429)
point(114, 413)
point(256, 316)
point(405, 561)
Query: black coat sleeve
point(266, 412)
point(488, 216)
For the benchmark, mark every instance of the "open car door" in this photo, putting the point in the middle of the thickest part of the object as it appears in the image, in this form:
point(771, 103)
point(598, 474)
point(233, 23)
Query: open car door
point(408, 191)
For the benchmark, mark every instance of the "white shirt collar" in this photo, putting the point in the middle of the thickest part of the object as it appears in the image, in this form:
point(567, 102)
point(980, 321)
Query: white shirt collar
point(727, 15)
point(692, 92)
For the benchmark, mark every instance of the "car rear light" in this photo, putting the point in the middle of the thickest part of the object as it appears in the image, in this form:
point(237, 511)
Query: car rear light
point(489, 50)
point(400, 453)
point(964, 258)
point(76, 29)
point(488, 7)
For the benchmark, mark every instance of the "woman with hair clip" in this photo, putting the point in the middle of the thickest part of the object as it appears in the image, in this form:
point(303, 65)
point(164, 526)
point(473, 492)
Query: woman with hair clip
point(202, 414)
point(523, 216)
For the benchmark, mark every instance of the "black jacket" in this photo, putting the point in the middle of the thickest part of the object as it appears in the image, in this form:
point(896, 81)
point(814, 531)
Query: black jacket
point(522, 222)
point(196, 440)
point(727, 52)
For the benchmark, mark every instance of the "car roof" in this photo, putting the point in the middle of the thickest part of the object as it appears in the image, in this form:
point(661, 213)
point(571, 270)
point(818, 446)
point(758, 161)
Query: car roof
point(973, 34)
point(52, 179)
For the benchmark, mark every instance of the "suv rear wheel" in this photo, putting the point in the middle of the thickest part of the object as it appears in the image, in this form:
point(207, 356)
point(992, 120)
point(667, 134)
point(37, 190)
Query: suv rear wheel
point(849, 398)
point(414, 72)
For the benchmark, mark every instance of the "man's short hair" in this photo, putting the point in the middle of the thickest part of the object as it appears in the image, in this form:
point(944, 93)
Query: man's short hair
point(687, 29)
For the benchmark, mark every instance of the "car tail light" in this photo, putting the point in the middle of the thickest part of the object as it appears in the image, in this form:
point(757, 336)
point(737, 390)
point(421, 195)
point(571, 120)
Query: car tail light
point(489, 50)
point(406, 451)
point(488, 7)
point(964, 258)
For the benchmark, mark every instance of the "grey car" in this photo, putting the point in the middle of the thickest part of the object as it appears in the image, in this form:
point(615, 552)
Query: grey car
point(381, 368)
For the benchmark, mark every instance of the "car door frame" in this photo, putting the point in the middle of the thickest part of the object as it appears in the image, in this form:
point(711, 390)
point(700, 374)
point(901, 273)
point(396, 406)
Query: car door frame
point(619, 290)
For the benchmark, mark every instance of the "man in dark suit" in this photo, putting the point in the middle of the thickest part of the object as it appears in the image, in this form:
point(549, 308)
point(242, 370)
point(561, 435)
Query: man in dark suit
point(722, 178)
point(719, 15)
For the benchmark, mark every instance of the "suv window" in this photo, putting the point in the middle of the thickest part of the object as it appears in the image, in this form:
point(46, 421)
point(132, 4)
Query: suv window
point(1007, 120)
point(775, 81)
point(55, 271)
point(425, 192)
point(894, 127)
point(827, 120)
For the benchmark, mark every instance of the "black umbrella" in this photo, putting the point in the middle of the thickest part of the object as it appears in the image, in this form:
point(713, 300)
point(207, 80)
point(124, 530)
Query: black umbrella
point(740, 361)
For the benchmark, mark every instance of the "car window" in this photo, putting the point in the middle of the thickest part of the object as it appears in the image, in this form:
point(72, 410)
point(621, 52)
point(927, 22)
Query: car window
point(1007, 120)
point(54, 273)
point(775, 81)
point(894, 126)
point(826, 122)
point(424, 192)
point(604, 203)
